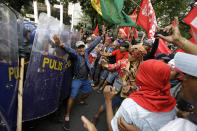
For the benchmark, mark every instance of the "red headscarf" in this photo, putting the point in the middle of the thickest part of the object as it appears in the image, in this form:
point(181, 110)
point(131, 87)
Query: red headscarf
point(154, 93)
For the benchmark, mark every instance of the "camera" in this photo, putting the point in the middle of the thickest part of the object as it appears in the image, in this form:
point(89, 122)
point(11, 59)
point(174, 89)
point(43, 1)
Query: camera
point(161, 32)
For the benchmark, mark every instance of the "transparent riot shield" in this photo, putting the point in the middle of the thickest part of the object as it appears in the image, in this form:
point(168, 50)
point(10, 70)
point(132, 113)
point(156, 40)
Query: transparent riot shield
point(46, 70)
point(9, 71)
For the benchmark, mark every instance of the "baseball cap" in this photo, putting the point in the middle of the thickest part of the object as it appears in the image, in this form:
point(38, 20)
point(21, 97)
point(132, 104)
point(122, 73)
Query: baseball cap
point(79, 43)
point(148, 42)
point(172, 64)
point(160, 55)
point(186, 63)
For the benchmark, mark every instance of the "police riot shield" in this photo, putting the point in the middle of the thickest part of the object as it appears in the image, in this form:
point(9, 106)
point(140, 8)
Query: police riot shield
point(9, 71)
point(46, 70)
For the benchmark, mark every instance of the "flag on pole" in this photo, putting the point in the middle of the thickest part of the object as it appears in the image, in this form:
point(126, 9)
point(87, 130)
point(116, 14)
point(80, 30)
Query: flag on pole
point(125, 31)
point(134, 15)
point(194, 36)
point(191, 19)
point(111, 11)
point(134, 30)
point(96, 30)
point(96, 5)
point(147, 19)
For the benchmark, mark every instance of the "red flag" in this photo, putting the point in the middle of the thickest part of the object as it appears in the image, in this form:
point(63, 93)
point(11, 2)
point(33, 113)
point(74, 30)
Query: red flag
point(134, 15)
point(194, 36)
point(96, 30)
point(173, 22)
point(124, 32)
point(163, 48)
point(191, 19)
point(135, 32)
point(147, 18)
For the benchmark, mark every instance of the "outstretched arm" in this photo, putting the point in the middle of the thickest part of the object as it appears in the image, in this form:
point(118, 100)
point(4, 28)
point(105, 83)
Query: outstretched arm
point(177, 39)
point(69, 50)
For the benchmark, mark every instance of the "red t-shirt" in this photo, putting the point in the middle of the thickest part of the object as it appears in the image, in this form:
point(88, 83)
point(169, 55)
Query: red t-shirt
point(120, 55)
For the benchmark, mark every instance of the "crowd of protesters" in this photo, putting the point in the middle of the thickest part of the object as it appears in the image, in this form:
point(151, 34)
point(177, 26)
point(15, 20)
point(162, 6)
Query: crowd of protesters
point(148, 91)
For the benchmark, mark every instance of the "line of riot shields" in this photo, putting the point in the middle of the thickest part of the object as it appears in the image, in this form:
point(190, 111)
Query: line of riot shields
point(48, 72)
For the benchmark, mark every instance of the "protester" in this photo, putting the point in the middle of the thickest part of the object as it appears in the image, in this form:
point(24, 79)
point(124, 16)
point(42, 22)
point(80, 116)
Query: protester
point(120, 54)
point(104, 73)
point(185, 63)
point(81, 70)
point(156, 103)
point(150, 48)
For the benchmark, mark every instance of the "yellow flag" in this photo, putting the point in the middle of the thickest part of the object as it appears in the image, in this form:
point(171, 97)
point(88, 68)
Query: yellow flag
point(96, 5)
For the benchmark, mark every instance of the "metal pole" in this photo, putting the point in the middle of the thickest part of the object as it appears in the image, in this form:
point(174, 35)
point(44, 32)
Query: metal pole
point(48, 7)
point(61, 14)
point(35, 11)
point(73, 6)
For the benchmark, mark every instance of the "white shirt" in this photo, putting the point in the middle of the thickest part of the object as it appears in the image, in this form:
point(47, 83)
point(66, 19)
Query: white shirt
point(179, 124)
point(142, 118)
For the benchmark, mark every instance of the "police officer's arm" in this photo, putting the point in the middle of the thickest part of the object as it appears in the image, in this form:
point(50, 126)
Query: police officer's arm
point(69, 50)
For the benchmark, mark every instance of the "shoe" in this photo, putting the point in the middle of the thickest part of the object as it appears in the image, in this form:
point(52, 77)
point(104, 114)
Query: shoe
point(92, 84)
point(100, 91)
point(66, 125)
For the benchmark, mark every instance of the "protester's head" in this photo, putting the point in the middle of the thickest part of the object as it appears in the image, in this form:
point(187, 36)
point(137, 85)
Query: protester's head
point(124, 46)
point(115, 45)
point(80, 47)
point(108, 41)
point(137, 52)
point(149, 74)
point(163, 57)
point(175, 74)
point(187, 63)
point(148, 43)
point(152, 79)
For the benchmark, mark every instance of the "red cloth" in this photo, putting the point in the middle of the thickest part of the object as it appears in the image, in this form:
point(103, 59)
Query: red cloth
point(162, 48)
point(191, 18)
point(96, 30)
point(120, 55)
point(134, 15)
point(154, 93)
point(147, 19)
point(124, 31)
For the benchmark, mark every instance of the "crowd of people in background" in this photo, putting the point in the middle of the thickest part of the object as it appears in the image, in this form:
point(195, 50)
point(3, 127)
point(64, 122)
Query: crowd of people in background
point(148, 91)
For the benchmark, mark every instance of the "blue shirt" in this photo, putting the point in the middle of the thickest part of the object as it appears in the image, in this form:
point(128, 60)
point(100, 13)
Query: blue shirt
point(78, 58)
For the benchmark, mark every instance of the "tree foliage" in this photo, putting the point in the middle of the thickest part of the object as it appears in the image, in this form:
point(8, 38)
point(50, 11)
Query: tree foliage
point(165, 11)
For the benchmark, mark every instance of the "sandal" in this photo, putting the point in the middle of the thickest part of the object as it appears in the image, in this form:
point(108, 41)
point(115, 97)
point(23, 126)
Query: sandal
point(82, 102)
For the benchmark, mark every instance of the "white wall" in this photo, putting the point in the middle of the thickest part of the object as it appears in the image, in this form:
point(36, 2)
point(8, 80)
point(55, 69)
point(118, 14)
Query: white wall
point(75, 9)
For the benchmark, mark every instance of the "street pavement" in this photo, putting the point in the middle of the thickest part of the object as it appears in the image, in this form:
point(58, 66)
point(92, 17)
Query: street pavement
point(54, 122)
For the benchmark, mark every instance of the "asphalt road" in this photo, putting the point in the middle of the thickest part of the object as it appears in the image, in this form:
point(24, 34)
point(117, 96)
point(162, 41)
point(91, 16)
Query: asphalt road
point(54, 122)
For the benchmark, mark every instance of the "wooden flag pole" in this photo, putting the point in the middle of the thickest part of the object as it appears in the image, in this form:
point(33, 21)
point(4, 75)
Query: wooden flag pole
point(20, 97)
